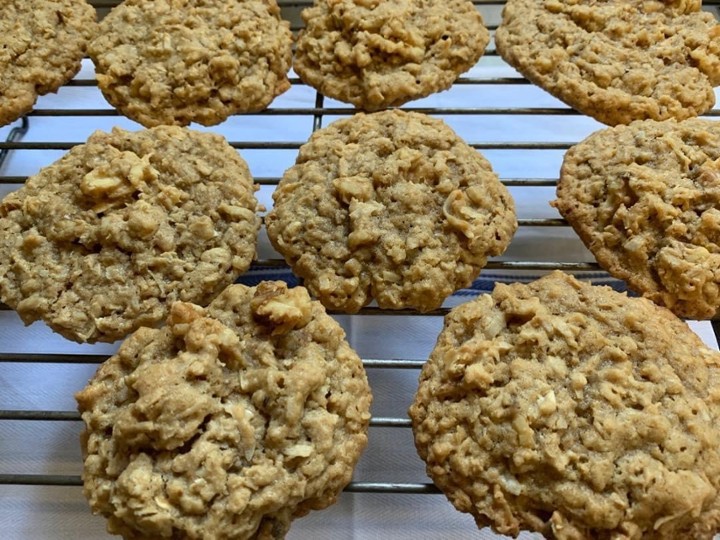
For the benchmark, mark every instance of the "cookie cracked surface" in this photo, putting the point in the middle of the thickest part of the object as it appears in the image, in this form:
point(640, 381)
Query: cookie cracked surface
point(616, 61)
point(391, 206)
point(41, 45)
point(100, 242)
point(645, 199)
point(377, 54)
point(574, 411)
point(228, 423)
point(165, 62)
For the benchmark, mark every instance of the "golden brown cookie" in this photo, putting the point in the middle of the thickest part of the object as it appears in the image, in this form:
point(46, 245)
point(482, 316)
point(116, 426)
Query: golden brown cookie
point(391, 206)
point(181, 61)
point(100, 242)
point(228, 423)
point(645, 199)
point(616, 60)
point(574, 411)
point(376, 53)
point(41, 45)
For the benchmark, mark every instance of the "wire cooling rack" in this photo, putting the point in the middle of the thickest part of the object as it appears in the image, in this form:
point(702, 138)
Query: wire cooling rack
point(521, 130)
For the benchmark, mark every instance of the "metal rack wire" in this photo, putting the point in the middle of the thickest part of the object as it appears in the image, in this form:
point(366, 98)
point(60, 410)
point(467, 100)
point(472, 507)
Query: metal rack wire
point(319, 113)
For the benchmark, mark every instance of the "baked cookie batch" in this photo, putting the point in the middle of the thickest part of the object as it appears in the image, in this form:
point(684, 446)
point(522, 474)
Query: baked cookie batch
point(554, 406)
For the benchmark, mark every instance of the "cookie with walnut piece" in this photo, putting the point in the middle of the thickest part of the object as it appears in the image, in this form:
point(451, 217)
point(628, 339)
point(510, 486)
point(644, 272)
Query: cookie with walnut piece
point(173, 62)
point(645, 199)
point(616, 60)
point(41, 45)
point(391, 206)
point(230, 422)
point(100, 242)
point(378, 53)
point(574, 411)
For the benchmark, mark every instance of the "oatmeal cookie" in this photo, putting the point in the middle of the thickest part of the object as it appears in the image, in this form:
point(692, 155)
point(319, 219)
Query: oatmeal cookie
point(229, 422)
point(376, 54)
point(614, 60)
point(100, 242)
point(392, 206)
point(41, 45)
point(574, 411)
point(645, 199)
point(181, 61)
